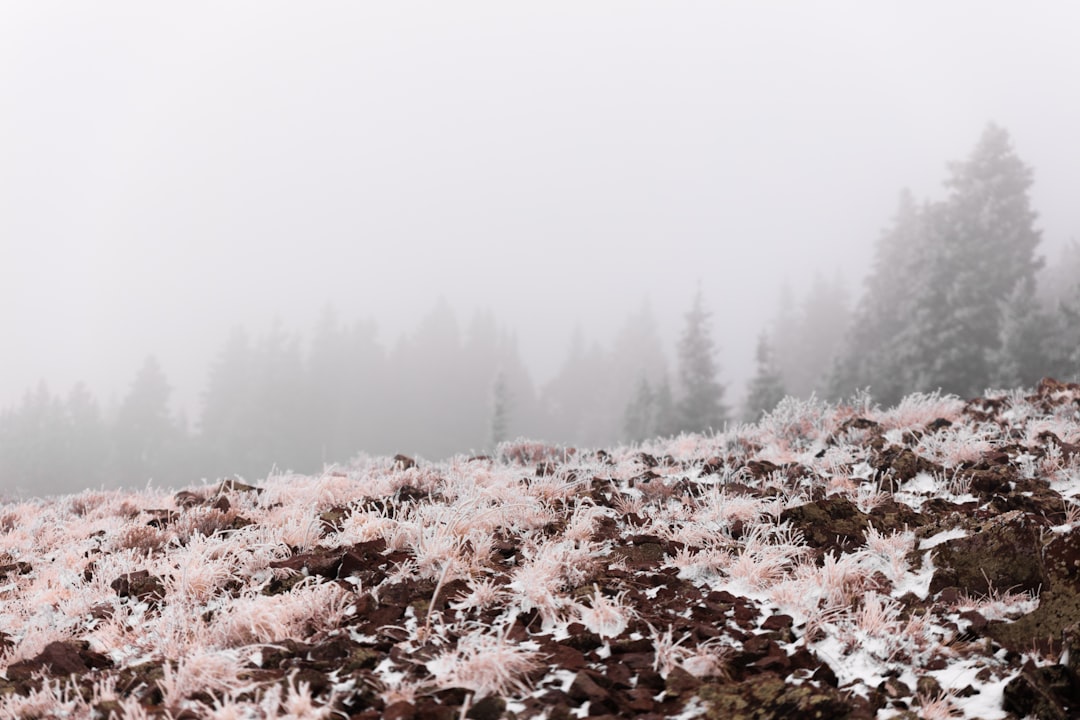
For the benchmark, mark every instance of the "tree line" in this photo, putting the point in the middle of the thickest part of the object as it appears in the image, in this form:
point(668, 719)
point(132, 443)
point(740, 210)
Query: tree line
point(273, 401)
point(957, 299)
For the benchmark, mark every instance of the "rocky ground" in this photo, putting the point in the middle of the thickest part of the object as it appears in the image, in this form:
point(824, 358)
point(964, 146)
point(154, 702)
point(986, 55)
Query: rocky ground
point(828, 562)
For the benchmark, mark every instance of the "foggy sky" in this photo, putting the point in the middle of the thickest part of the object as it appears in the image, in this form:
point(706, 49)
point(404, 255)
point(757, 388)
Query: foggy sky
point(167, 172)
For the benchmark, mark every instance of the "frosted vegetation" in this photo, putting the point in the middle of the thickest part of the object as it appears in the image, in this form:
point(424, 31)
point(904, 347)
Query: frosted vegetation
point(183, 598)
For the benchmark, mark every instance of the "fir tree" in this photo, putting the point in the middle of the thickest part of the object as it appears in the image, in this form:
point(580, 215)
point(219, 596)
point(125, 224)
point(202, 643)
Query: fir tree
point(1063, 342)
point(872, 352)
point(664, 416)
point(227, 425)
point(1022, 357)
point(639, 418)
point(500, 409)
point(767, 386)
point(982, 242)
point(146, 439)
point(700, 405)
point(86, 442)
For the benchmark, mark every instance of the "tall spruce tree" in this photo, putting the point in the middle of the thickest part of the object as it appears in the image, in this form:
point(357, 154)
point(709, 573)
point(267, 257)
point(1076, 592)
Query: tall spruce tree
point(700, 404)
point(227, 425)
point(1063, 342)
point(500, 409)
point(767, 385)
point(638, 419)
point(146, 439)
point(1023, 355)
point(873, 353)
point(982, 243)
point(86, 442)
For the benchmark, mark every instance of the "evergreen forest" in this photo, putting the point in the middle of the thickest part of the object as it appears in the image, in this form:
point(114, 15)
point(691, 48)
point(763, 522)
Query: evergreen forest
point(958, 299)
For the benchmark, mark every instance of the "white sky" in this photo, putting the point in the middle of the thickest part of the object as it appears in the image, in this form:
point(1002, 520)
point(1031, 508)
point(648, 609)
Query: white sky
point(170, 170)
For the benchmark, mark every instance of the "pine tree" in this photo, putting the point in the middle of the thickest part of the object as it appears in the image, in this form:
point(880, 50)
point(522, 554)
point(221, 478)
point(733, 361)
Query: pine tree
point(664, 417)
point(983, 242)
point(500, 409)
point(873, 353)
point(278, 405)
point(823, 323)
point(32, 444)
point(1063, 342)
point(639, 418)
point(328, 374)
point(1058, 281)
point(636, 355)
point(786, 336)
point(700, 405)
point(1023, 355)
point(227, 425)
point(145, 437)
point(428, 372)
point(86, 448)
point(767, 386)
point(572, 397)
point(1059, 293)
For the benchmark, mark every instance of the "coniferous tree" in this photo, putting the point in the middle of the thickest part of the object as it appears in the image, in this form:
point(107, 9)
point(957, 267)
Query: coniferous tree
point(1063, 342)
point(636, 355)
point(823, 321)
point(32, 438)
point(638, 419)
point(1059, 293)
point(86, 446)
point(500, 410)
point(572, 396)
point(767, 385)
point(786, 336)
point(1059, 281)
point(982, 245)
point(344, 391)
point(525, 416)
point(228, 423)
point(873, 352)
point(665, 419)
point(278, 405)
point(428, 369)
point(328, 375)
point(700, 405)
point(146, 440)
point(1023, 355)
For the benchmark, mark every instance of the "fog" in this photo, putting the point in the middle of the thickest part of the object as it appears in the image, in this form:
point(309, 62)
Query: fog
point(168, 174)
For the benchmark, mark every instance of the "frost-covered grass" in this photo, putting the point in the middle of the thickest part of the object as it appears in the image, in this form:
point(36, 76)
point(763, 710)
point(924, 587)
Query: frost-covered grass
point(527, 539)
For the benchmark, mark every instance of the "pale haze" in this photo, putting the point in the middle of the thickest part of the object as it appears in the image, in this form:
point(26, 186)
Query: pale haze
point(168, 172)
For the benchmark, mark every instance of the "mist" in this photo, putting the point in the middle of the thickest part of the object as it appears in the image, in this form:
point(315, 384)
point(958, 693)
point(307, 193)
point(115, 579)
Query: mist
point(524, 183)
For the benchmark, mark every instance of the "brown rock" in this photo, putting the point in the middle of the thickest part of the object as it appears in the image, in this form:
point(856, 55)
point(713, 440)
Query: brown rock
point(491, 707)
point(680, 682)
point(830, 524)
point(988, 558)
point(60, 658)
point(404, 462)
point(584, 687)
point(140, 584)
point(400, 710)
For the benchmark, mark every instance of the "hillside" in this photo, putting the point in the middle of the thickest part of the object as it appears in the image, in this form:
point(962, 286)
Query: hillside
point(829, 561)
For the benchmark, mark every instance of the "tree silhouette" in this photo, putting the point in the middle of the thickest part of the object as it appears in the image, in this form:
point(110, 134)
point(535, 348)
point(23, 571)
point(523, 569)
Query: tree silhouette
point(767, 386)
point(146, 441)
point(700, 403)
point(982, 245)
point(500, 409)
